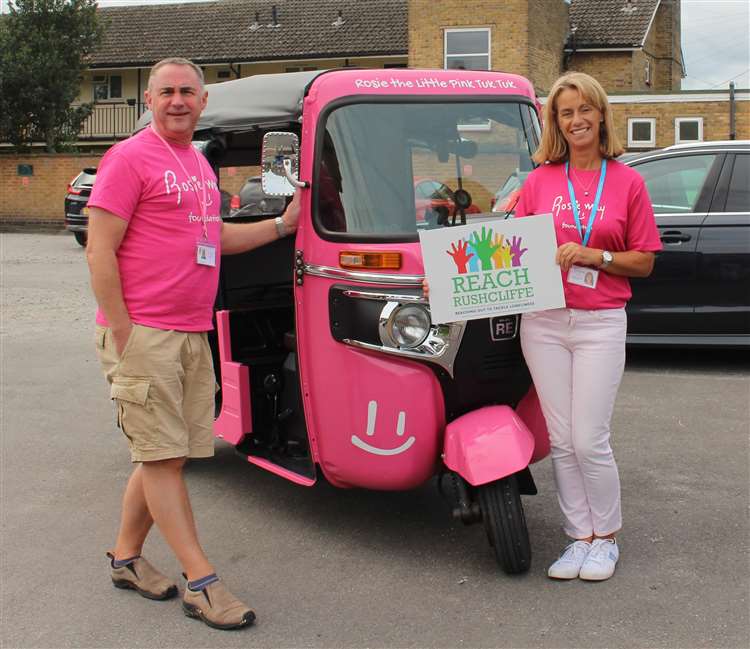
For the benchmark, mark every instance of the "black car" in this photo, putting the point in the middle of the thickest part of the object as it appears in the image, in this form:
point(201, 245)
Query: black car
point(699, 292)
point(76, 198)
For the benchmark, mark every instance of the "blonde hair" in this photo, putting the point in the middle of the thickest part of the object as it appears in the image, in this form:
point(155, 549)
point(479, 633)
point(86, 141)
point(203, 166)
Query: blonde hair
point(176, 60)
point(553, 147)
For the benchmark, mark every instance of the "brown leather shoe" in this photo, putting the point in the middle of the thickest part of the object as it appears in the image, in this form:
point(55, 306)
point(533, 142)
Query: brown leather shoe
point(141, 576)
point(217, 607)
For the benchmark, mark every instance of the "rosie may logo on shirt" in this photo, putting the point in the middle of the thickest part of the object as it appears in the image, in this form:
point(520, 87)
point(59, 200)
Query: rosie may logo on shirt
point(193, 184)
point(560, 204)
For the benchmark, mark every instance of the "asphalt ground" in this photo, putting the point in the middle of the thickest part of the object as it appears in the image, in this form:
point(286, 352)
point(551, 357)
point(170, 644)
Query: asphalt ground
point(325, 567)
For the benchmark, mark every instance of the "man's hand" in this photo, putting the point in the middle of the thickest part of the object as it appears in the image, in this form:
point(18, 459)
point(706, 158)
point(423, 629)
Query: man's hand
point(120, 336)
point(291, 214)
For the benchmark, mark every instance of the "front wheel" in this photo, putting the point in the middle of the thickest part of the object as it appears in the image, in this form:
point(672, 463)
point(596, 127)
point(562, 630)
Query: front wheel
point(505, 523)
point(81, 238)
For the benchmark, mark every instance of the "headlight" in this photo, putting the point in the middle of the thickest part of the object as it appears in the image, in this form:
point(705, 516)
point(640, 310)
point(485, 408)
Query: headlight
point(404, 325)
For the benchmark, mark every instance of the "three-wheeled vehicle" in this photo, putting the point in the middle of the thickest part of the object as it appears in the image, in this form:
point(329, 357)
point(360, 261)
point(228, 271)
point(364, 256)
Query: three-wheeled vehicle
point(326, 355)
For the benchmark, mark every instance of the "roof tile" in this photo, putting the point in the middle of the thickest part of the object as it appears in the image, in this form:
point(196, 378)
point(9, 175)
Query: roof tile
point(220, 31)
point(610, 23)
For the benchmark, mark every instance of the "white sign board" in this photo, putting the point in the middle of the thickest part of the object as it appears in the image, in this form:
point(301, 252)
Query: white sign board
point(491, 268)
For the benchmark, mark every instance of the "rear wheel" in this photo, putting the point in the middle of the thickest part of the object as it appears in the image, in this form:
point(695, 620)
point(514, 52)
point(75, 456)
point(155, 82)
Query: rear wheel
point(505, 523)
point(81, 238)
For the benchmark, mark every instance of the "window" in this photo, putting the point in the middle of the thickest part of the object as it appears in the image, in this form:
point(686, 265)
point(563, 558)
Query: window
point(674, 184)
point(107, 86)
point(642, 132)
point(647, 72)
point(467, 49)
point(739, 187)
point(688, 129)
point(416, 160)
point(223, 74)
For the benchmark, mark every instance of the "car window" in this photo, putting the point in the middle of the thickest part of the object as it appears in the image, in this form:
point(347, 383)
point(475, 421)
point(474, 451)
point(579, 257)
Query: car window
point(675, 183)
point(739, 186)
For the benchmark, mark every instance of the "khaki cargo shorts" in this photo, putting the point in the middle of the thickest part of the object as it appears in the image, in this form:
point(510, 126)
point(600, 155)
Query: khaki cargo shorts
point(164, 387)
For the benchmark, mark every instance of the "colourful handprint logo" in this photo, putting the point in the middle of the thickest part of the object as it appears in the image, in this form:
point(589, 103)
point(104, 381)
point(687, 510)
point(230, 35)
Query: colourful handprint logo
point(482, 249)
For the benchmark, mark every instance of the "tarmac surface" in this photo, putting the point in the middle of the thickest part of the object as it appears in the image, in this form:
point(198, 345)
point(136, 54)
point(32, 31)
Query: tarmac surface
point(325, 567)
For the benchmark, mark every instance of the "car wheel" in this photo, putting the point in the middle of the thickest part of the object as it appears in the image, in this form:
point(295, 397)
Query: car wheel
point(505, 524)
point(81, 238)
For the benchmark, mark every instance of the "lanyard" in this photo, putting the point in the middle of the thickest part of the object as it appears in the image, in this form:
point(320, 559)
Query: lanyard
point(594, 207)
point(201, 203)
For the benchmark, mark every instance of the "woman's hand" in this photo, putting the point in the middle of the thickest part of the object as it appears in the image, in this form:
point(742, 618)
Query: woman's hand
point(574, 254)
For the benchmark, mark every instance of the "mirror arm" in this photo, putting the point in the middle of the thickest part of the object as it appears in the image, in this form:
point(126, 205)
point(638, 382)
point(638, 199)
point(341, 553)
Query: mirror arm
point(303, 184)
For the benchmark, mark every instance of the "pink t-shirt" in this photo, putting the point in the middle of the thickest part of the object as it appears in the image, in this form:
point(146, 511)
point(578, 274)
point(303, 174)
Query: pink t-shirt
point(140, 181)
point(625, 222)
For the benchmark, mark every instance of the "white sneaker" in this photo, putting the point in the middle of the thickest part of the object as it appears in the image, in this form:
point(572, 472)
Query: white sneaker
point(601, 560)
point(569, 564)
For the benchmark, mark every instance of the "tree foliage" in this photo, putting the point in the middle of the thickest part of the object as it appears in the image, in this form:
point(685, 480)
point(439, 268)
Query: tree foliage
point(44, 45)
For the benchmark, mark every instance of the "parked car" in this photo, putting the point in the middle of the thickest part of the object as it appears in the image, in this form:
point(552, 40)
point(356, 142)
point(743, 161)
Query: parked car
point(699, 291)
point(76, 198)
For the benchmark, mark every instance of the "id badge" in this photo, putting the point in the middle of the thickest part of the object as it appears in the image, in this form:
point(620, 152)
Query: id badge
point(205, 253)
point(582, 276)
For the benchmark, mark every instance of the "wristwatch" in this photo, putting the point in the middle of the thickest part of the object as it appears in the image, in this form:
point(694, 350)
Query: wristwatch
point(281, 229)
point(607, 259)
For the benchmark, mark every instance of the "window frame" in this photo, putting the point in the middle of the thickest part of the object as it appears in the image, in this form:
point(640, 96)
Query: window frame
point(679, 120)
point(452, 30)
point(633, 143)
point(105, 81)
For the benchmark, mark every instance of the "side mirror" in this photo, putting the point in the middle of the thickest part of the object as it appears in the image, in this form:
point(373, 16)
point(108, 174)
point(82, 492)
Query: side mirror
point(280, 164)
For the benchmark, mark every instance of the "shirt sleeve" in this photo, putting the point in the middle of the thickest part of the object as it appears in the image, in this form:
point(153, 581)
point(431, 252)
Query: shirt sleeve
point(117, 187)
point(525, 204)
point(642, 234)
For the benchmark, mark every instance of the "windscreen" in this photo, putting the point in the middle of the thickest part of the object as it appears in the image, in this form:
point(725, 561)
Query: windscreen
point(386, 170)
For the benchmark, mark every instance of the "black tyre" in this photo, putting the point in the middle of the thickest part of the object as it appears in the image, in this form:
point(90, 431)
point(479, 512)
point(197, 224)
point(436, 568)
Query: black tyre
point(81, 238)
point(505, 523)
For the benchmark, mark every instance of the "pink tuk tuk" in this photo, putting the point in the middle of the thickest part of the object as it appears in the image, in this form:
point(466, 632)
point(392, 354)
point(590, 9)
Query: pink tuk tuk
point(327, 358)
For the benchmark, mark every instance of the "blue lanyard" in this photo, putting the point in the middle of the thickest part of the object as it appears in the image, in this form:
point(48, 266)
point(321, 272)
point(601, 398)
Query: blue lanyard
point(594, 207)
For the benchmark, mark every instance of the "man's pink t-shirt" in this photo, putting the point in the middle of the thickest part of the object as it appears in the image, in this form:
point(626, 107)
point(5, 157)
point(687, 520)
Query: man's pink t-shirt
point(625, 221)
point(140, 181)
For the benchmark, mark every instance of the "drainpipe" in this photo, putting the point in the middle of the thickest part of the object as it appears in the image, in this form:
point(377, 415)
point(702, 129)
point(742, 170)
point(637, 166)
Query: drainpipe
point(732, 113)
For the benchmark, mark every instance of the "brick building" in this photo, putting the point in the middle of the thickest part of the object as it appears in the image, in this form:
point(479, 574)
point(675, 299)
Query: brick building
point(631, 46)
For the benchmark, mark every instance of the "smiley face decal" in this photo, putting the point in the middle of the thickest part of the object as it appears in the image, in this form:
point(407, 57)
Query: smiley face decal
point(372, 413)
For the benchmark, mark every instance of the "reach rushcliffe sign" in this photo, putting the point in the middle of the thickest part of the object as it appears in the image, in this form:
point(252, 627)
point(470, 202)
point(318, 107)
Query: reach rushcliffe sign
point(492, 268)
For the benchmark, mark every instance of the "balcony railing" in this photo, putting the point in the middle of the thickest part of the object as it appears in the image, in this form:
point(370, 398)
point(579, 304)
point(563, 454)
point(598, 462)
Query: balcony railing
point(111, 121)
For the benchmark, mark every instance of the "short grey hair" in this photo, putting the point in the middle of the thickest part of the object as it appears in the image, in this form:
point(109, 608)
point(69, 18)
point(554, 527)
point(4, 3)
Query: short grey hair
point(177, 60)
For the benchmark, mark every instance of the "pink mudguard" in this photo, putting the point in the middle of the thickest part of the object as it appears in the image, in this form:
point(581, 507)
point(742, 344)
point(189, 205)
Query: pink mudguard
point(234, 422)
point(495, 441)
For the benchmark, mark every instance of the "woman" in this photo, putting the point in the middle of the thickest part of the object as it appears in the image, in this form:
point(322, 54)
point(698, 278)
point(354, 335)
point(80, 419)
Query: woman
point(606, 233)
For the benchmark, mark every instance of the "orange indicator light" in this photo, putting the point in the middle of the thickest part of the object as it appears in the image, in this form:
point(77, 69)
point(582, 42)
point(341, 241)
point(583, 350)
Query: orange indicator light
point(370, 260)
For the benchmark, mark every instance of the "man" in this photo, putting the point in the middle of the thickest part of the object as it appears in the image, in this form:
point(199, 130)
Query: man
point(154, 247)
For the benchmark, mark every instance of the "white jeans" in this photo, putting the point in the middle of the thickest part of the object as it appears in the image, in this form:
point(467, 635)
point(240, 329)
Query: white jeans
point(576, 359)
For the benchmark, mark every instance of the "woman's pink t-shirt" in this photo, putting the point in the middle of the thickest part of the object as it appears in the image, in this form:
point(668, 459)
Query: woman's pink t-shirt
point(140, 181)
point(625, 221)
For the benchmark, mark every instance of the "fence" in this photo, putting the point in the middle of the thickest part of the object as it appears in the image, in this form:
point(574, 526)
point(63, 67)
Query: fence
point(111, 121)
